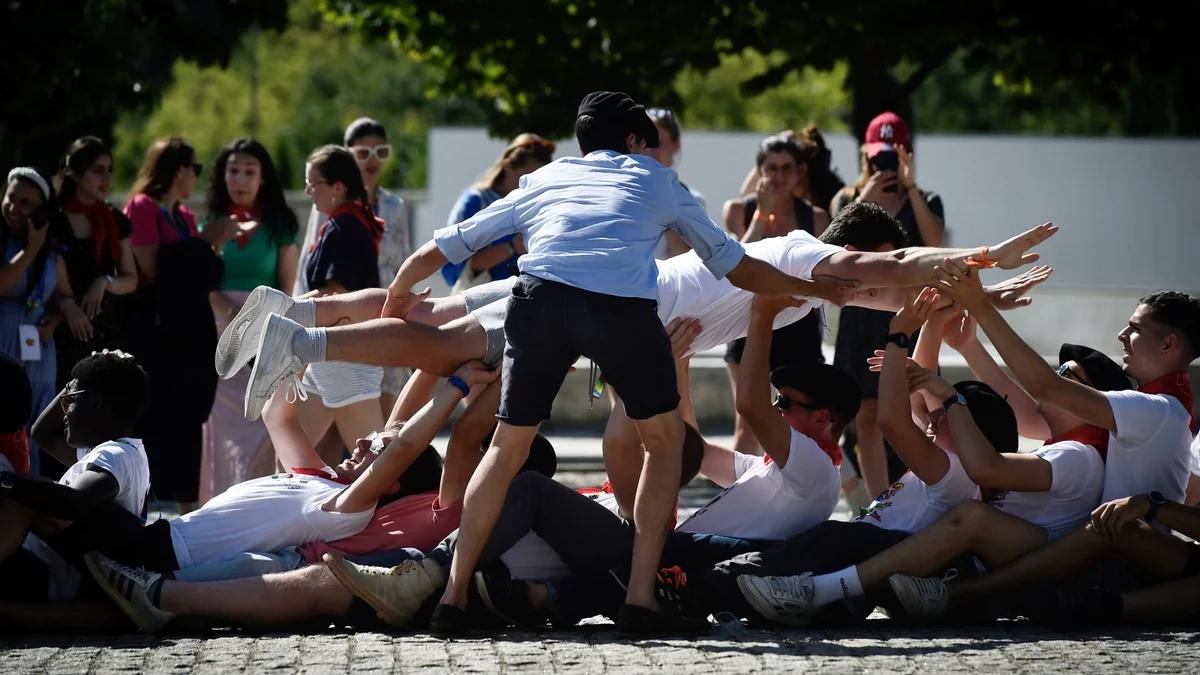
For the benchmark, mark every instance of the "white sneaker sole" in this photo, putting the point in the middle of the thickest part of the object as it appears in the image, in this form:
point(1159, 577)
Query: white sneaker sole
point(146, 622)
point(259, 390)
point(243, 330)
point(763, 605)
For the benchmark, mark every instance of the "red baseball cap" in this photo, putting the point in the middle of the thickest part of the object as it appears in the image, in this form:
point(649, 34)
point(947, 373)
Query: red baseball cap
point(885, 132)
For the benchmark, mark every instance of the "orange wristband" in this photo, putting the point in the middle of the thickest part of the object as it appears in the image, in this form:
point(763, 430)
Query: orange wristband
point(983, 261)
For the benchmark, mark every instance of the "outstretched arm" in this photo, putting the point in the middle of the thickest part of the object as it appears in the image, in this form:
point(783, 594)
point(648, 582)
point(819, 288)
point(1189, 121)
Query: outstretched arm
point(962, 283)
point(924, 458)
point(93, 488)
point(915, 266)
point(753, 396)
point(756, 276)
point(409, 442)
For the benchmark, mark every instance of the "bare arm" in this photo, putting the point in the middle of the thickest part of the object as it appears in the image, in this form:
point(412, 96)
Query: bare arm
point(753, 396)
point(125, 281)
point(718, 465)
point(929, 224)
point(422, 263)
point(50, 433)
point(1042, 383)
point(759, 277)
point(960, 335)
point(733, 215)
point(12, 272)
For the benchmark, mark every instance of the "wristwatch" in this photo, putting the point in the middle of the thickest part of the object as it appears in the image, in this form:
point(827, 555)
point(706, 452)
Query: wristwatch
point(8, 480)
point(901, 340)
point(1156, 502)
point(956, 399)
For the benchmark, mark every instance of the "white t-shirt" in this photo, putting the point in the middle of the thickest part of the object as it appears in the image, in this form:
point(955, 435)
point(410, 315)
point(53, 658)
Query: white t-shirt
point(1151, 449)
point(1196, 455)
point(909, 505)
point(687, 289)
point(773, 502)
point(263, 514)
point(125, 459)
point(1077, 478)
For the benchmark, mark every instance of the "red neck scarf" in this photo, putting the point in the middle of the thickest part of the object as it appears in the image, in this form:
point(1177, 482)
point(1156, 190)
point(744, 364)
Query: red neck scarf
point(15, 446)
point(374, 225)
point(831, 448)
point(1178, 385)
point(1086, 434)
point(104, 228)
point(242, 215)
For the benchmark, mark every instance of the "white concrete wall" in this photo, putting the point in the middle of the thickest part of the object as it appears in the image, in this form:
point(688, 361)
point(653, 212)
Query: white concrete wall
point(1127, 207)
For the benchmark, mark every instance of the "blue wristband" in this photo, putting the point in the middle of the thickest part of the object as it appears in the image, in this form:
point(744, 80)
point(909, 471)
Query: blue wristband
point(460, 384)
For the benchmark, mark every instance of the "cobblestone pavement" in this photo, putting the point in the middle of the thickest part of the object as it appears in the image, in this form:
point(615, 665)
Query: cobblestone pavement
point(880, 647)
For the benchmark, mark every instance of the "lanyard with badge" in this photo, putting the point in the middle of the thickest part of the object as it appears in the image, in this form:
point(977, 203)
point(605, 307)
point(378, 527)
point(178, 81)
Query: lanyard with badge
point(31, 340)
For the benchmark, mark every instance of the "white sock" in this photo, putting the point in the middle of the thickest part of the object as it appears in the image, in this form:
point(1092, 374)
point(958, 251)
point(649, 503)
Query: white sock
point(310, 344)
point(829, 588)
point(303, 312)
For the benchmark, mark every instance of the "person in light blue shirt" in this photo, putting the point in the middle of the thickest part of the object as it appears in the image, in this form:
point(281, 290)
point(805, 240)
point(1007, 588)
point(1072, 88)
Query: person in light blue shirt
point(587, 286)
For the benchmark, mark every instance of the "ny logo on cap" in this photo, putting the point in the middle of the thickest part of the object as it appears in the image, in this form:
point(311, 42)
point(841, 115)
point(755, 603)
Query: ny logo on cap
point(885, 132)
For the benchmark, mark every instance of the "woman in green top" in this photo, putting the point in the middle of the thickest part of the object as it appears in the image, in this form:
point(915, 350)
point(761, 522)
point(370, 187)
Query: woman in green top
point(246, 189)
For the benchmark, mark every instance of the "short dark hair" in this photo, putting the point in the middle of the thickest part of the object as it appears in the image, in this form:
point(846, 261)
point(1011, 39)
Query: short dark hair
point(595, 134)
point(866, 227)
point(780, 143)
point(118, 381)
point(1178, 311)
point(693, 454)
point(363, 126)
point(424, 474)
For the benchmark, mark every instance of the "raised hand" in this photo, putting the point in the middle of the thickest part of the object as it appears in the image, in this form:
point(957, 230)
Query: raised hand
point(906, 176)
point(915, 312)
point(475, 372)
point(960, 282)
point(960, 331)
point(397, 306)
point(1013, 253)
point(1011, 293)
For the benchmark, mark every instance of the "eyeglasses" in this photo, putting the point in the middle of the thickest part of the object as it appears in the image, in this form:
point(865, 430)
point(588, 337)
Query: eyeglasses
point(364, 152)
point(660, 114)
point(66, 398)
point(783, 404)
point(309, 187)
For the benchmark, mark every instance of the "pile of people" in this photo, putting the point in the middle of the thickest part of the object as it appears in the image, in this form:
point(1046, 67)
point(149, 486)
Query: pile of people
point(607, 256)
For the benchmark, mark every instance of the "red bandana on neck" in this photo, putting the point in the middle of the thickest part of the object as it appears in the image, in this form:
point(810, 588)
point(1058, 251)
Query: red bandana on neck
point(15, 446)
point(1178, 385)
point(1086, 434)
point(830, 447)
point(104, 228)
point(374, 225)
point(244, 215)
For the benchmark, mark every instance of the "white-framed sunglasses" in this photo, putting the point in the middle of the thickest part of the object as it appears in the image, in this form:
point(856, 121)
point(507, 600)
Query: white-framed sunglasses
point(363, 152)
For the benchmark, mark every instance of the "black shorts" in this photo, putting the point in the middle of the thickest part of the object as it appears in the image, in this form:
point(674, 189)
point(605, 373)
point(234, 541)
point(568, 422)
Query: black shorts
point(860, 332)
point(795, 344)
point(549, 325)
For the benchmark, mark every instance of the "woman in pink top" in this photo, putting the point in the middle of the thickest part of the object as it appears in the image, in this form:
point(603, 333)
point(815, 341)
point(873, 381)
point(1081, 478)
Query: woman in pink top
point(177, 267)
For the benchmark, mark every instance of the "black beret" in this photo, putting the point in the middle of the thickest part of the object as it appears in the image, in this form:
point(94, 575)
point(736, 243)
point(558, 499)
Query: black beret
point(617, 109)
point(1102, 372)
point(825, 386)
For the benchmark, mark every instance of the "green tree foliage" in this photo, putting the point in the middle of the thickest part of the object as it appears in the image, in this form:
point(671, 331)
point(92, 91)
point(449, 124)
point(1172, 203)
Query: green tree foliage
point(531, 62)
point(73, 65)
point(313, 79)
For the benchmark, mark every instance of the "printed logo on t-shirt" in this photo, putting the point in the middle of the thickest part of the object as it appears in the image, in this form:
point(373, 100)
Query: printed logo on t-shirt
point(883, 501)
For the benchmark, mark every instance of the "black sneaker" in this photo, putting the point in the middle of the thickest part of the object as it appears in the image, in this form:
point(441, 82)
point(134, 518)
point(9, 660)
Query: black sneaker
point(639, 621)
point(447, 620)
point(504, 597)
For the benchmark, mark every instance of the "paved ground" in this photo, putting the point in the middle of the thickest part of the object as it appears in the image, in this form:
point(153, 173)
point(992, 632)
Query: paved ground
point(1012, 647)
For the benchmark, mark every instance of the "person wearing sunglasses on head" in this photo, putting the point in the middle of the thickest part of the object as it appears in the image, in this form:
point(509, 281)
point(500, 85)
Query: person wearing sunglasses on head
point(178, 267)
point(527, 153)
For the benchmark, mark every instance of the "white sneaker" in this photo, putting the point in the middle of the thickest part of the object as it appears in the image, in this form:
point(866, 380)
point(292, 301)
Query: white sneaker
point(395, 593)
point(274, 362)
point(787, 600)
point(235, 348)
point(129, 587)
point(923, 597)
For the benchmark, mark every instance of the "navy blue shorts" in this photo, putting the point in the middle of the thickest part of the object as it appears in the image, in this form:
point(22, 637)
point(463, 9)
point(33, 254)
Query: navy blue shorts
point(549, 325)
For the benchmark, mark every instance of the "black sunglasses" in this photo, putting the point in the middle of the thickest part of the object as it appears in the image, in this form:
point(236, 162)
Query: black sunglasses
point(783, 404)
point(1065, 371)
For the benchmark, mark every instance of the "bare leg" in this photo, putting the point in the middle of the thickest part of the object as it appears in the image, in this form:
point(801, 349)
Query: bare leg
point(623, 456)
point(484, 498)
point(1172, 601)
point(357, 420)
point(654, 510)
point(1062, 558)
point(995, 537)
point(291, 433)
point(466, 437)
point(267, 600)
point(366, 304)
point(744, 440)
point(872, 461)
point(15, 520)
point(395, 342)
point(683, 378)
point(387, 403)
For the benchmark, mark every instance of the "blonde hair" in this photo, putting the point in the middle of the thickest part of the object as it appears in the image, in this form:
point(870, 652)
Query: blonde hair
point(524, 148)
